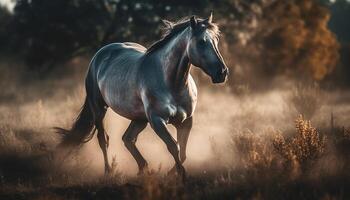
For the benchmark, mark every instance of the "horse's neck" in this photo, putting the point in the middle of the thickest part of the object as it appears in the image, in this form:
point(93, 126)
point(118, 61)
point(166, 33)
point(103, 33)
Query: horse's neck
point(175, 61)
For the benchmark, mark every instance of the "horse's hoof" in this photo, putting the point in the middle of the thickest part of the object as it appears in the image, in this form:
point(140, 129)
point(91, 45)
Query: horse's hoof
point(184, 177)
point(180, 173)
point(172, 171)
point(108, 171)
point(142, 171)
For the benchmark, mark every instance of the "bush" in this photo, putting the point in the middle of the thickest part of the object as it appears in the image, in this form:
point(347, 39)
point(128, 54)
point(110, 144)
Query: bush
point(254, 150)
point(271, 154)
point(302, 149)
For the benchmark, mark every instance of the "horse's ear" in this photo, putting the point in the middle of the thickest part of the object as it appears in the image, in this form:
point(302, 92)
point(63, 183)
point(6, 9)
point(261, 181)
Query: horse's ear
point(210, 18)
point(193, 22)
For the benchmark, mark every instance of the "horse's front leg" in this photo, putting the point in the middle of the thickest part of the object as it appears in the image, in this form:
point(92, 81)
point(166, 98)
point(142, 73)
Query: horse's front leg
point(129, 138)
point(183, 131)
point(159, 126)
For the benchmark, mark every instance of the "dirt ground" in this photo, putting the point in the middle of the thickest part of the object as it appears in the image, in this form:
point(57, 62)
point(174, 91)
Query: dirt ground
point(233, 150)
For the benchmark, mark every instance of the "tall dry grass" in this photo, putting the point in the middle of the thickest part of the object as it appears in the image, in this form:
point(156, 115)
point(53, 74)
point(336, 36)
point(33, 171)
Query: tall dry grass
point(254, 150)
point(30, 107)
point(306, 99)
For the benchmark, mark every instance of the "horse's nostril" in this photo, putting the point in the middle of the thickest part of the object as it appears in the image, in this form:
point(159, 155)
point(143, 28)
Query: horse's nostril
point(225, 71)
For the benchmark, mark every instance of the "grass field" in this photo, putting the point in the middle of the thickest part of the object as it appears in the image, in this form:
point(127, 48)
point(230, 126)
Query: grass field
point(254, 145)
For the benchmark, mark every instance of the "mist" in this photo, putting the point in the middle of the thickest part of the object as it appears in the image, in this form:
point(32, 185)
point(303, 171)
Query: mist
point(278, 128)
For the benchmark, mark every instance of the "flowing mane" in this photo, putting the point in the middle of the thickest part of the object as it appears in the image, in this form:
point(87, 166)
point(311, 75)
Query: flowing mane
point(171, 29)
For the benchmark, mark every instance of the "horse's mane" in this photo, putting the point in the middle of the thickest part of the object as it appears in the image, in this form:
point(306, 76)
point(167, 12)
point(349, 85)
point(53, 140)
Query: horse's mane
point(171, 29)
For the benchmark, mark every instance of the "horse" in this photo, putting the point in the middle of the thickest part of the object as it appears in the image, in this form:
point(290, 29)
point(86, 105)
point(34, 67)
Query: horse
point(152, 86)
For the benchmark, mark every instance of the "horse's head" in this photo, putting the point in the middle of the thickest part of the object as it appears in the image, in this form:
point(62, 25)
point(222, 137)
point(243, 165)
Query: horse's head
point(203, 49)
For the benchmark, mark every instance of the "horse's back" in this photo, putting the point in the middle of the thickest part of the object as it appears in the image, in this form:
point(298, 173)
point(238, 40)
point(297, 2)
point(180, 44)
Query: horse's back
point(117, 60)
point(116, 67)
point(112, 53)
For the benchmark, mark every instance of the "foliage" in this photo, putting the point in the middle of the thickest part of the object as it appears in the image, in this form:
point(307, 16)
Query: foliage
point(306, 147)
point(26, 170)
point(282, 38)
point(255, 152)
point(271, 153)
point(49, 32)
point(5, 17)
point(300, 40)
point(45, 32)
point(259, 37)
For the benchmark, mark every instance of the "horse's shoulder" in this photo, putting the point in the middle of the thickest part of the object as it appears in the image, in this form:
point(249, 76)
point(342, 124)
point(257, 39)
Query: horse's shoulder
point(192, 86)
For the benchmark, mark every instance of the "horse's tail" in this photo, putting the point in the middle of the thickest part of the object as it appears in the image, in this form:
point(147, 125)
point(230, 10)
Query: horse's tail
point(82, 130)
point(92, 112)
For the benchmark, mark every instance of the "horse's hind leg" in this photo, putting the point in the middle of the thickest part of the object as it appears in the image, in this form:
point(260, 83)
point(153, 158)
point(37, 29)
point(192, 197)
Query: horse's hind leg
point(183, 131)
point(130, 137)
point(100, 109)
point(103, 140)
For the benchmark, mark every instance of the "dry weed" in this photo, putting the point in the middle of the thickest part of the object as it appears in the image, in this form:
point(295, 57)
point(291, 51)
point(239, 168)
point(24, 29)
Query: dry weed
point(304, 148)
point(256, 158)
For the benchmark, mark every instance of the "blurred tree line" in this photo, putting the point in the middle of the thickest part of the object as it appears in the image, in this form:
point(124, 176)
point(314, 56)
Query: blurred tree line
point(260, 37)
point(340, 25)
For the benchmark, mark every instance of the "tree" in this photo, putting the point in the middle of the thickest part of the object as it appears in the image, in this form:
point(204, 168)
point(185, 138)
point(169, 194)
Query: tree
point(5, 17)
point(261, 38)
point(46, 32)
point(300, 41)
point(283, 38)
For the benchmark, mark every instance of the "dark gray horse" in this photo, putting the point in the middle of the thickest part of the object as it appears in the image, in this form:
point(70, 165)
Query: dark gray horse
point(149, 86)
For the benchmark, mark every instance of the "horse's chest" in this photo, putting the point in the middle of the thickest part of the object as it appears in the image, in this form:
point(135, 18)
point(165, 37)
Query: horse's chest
point(179, 114)
point(183, 110)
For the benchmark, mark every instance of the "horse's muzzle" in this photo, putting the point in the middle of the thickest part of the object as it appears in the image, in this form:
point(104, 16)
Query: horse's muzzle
point(221, 76)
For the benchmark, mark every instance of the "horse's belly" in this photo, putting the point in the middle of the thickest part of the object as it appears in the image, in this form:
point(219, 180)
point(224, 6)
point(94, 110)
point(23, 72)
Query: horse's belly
point(124, 102)
point(137, 114)
point(131, 110)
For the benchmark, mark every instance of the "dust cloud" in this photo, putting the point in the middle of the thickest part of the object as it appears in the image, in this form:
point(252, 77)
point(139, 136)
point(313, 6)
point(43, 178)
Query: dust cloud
point(30, 109)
